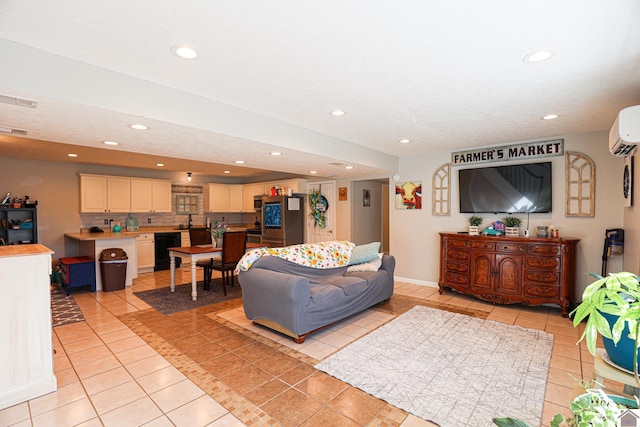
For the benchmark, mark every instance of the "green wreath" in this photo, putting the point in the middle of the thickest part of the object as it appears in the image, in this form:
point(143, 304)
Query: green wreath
point(319, 205)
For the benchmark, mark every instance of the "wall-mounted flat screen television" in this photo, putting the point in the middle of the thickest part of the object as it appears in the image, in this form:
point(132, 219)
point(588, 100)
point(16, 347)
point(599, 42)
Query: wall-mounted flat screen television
point(515, 189)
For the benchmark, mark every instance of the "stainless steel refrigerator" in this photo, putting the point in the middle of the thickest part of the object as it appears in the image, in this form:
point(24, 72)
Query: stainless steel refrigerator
point(282, 220)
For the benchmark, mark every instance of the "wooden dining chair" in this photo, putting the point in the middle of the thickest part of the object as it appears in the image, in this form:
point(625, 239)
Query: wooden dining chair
point(234, 245)
point(202, 236)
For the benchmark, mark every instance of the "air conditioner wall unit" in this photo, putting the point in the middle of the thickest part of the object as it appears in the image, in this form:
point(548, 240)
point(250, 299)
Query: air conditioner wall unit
point(624, 135)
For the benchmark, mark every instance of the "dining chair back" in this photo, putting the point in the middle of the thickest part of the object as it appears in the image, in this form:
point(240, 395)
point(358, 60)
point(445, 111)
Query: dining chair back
point(202, 236)
point(234, 245)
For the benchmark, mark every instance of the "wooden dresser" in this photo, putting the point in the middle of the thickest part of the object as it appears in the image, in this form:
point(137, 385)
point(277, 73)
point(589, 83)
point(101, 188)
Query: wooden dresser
point(508, 270)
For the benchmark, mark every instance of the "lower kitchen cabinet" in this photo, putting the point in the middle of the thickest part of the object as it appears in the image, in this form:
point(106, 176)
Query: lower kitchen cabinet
point(145, 246)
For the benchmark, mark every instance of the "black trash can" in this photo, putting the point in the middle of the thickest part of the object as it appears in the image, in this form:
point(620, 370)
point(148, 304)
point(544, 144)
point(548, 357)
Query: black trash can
point(113, 269)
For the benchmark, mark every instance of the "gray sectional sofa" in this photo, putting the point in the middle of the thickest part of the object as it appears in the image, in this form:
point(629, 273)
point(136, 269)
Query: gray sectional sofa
point(298, 300)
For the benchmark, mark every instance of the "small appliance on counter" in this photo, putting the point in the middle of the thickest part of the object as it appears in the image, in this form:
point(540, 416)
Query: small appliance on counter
point(132, 224)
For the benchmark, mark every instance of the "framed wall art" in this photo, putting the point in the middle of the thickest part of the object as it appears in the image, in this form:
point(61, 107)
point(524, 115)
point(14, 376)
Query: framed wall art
point(342, 194)
point(409, 195)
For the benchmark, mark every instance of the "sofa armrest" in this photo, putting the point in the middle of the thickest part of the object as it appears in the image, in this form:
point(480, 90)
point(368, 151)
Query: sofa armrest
point(274, 296)
point(389, 265)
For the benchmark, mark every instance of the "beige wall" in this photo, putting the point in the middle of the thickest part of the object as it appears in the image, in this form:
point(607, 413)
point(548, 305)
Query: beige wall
point(414, 233)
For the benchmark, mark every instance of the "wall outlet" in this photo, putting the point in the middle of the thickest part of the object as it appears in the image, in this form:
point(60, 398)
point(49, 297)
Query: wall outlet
point(106, 222)
point(148, 220)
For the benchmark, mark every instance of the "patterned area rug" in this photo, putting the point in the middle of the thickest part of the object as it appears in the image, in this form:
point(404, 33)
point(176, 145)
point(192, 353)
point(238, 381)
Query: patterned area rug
point(452, 369)
point(64, 309)
point(166, 302)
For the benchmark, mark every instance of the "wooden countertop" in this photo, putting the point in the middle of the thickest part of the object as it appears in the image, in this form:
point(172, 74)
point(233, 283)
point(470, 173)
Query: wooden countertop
point(86, 235)
point(24, 250)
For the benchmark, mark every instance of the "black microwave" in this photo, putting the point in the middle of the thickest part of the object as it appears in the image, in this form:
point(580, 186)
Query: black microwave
point(257, 202)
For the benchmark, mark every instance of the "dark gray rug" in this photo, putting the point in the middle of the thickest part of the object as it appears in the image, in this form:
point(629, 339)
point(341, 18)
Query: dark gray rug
point(64, 309)
point(166, 302)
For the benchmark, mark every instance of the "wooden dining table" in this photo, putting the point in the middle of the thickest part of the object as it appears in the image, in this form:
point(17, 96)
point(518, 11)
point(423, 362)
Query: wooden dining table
point(196, 253)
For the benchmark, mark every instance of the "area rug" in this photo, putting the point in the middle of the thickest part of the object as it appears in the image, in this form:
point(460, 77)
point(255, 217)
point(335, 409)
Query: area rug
point(166, 302)
point(64, 309)
point(452, 369)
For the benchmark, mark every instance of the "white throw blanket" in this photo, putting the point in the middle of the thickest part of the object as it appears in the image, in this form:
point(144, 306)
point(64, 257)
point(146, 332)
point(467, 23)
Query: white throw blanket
point(332, 254)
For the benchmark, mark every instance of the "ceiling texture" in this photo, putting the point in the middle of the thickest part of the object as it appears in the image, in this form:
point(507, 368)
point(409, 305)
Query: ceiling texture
point(446, 75)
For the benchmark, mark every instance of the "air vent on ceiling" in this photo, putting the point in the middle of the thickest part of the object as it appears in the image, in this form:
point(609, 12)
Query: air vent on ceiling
point(12, 131)
point(21, 102)
point(337, 164)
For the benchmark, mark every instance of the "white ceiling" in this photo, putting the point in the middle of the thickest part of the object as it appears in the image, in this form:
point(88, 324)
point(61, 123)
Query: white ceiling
point(444, 74)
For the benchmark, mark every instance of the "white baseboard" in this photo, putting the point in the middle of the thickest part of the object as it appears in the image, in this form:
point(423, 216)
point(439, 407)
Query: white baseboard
point(416, 282)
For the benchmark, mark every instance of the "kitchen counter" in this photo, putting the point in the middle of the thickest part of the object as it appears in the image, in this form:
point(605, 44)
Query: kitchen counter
point(26, 353)
point(92, 245)
point(23, 250)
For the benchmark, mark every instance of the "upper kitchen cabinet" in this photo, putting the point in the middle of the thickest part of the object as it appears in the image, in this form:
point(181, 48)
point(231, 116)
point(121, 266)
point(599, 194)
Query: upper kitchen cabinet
point(222, 198)
point(100, 193)
point(235, 198)
point(296, 185)
point(150, 195)
point(249, 191)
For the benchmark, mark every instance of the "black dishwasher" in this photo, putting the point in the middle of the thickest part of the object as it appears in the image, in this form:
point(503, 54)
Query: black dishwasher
point(164, 241)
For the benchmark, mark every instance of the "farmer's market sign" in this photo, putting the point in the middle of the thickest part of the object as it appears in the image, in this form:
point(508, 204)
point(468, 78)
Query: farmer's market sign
point(528, 150)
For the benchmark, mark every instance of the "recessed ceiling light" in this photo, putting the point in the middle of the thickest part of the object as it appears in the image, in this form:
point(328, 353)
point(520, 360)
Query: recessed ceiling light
point(537, 56)
point(348, 167)
point(338, 113)
point(404, 141)
point(111, 143)
point(185, 52)
point(313, 172)
point(160, 164)
point(275, 153)
point(227, 171)
point(72, 155)
point(137, 126)
point(550, 117)
point(239, 162)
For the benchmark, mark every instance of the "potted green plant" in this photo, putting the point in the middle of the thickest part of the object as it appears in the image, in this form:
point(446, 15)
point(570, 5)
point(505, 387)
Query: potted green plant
point(592, 408)
point(217, 230)
point(611, 306)
point(474, 223)
point(512, 225)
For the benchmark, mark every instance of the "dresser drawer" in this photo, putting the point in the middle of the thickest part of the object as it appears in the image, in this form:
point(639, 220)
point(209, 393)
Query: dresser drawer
point(457, 267)
point(510, 247)
point(542, 291)
point(483, 245)
point(457, 254)
point(547, 263)
point(457, 279)
point(457, 243)
point(544, 249)
point(542, 277)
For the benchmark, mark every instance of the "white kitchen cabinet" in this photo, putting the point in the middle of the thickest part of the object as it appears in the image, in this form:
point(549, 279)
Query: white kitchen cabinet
point(145, 246)
point(216, 197)
point(150, 195)
point(99, 193)
point(235, 198)
point(222, 198)
point(249, 191)
point(296, 185)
